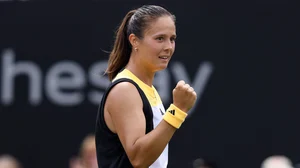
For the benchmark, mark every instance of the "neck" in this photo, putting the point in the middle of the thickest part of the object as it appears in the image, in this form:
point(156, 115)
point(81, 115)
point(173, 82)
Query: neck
point(140, 71)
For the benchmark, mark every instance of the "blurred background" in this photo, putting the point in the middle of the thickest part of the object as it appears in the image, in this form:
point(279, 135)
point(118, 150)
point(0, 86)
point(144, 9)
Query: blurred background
point(241, 57)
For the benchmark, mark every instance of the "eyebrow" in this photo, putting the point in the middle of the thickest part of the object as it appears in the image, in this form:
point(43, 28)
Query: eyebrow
point(174, 35)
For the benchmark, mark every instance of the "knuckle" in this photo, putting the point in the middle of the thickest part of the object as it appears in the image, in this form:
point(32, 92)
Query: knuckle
point(181, 82)
point(179, 85)
point(194, 93)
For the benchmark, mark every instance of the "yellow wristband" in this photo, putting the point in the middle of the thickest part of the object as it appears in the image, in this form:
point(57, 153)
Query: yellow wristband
point(174, 116)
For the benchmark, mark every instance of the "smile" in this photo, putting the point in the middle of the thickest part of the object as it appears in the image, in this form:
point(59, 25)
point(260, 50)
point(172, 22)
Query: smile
point(163, 57)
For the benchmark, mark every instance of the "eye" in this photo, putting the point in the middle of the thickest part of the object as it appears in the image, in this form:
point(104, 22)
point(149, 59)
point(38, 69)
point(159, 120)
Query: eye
point(160, 38)
point(173, 39)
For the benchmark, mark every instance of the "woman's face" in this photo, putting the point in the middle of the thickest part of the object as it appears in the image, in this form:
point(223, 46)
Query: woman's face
point(158, 44)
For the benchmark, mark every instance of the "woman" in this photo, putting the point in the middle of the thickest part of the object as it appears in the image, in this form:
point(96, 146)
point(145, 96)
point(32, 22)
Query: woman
point(133, 129)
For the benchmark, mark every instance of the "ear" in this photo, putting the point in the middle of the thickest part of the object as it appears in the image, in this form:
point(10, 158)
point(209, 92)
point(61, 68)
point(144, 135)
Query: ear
point(133, 39)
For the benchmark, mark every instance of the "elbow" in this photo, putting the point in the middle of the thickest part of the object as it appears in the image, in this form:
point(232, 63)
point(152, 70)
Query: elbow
point(139, 164)
point(137, 161)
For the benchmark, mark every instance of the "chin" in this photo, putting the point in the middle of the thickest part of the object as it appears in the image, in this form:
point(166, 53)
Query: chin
point(162, 67)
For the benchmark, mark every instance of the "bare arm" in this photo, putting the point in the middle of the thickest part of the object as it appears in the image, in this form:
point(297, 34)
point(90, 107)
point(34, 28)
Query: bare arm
point(125, 107)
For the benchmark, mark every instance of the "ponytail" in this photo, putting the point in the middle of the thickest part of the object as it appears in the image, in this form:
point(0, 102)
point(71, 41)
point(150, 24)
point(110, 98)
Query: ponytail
point(120, 54)
point(135, 22)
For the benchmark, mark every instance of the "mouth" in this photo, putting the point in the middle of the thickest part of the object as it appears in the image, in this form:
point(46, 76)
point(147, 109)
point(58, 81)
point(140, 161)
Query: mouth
point(164, 57)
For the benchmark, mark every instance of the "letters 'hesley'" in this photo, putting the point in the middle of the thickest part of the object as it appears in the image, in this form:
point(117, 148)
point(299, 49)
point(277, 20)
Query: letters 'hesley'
point(77, 80)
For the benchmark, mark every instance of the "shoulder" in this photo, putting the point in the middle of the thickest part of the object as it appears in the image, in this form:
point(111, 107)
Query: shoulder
point(124, 92)
point(123, 87)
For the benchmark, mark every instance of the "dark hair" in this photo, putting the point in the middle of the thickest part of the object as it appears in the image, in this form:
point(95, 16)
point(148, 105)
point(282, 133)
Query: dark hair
point(135, 22)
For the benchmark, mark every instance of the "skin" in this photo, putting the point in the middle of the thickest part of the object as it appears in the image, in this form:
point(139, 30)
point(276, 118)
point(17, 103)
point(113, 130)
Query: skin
point(158, 40)
point(88, 153)
point(124, 114)
point(9, 162)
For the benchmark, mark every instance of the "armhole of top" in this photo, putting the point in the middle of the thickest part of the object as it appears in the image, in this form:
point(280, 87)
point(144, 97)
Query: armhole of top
point(146, 106)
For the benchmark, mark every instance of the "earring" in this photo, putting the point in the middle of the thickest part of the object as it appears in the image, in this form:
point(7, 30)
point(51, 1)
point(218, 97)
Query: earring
point(135, 49)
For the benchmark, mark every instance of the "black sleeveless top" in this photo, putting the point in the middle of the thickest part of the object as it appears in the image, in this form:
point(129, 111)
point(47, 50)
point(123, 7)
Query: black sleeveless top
point(110, 152)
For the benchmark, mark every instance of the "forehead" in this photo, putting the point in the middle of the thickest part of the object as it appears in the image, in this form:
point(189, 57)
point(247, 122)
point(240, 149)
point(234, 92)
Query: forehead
point(162, 25)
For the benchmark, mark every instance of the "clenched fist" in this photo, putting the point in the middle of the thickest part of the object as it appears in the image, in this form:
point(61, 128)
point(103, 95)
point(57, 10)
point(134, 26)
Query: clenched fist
point(184, 96)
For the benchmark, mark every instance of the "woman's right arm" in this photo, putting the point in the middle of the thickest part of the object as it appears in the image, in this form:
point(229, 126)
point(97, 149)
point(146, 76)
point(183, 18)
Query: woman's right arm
point(125, 108)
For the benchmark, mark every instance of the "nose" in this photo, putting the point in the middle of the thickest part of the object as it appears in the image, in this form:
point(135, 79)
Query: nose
point(169, 45)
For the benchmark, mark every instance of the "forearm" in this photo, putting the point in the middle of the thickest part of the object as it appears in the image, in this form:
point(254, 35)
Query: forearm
point(149, 147)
